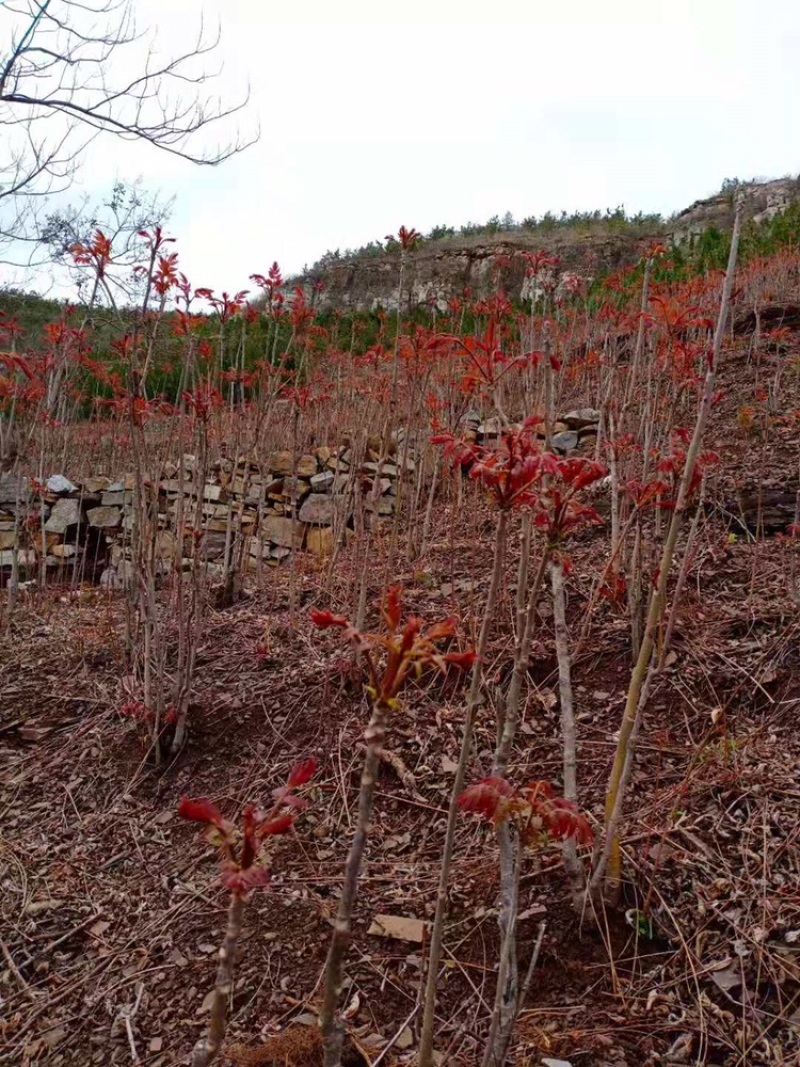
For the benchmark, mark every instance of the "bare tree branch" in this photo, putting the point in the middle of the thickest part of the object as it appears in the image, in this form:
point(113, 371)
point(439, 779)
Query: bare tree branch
point(79, 70)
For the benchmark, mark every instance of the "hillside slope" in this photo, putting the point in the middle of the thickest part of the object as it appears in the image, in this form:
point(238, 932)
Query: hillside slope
point(442, 268)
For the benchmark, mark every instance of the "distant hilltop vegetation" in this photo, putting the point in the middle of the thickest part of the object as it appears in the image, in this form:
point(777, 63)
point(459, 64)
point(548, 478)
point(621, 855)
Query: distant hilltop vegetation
point(475, 259)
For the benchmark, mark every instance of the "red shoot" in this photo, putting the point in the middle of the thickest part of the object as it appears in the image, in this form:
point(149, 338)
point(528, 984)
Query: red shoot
point(241, 848)
point(537, 812)
point(201, 810)
point(413, 646)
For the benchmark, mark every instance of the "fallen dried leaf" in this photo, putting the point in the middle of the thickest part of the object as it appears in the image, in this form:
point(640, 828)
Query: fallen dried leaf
point(398, 926)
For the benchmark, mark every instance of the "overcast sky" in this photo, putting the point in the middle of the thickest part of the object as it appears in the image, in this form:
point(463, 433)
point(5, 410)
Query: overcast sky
point(437, 111)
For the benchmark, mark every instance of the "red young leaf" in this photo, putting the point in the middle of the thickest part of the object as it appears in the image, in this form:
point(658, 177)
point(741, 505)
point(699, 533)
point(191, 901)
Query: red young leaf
point(461, 660)
point(393, 606)
point(324, 619)
point(276, 826)
point(484, 797)
point(240, 882)
point(302, 772)
point(200, 811)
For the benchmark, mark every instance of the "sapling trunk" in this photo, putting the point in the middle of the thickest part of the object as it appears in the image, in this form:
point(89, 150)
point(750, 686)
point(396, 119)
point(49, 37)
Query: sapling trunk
point(506, 717)
point(636, 598)
point(426, 523)
point(510, 849)
point(293, 510)
point(373, 500)
point(435, 953)
point(192, 620)
point(568, 732)
point(506, 1003)
point(206, 1050)
point(683, 574)
point(523, 993)
point(610, 861)
point(330, 1025)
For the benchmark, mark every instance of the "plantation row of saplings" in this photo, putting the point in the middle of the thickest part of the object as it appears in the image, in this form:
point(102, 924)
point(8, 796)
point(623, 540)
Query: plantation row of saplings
point(237, 513)
point(236, 509)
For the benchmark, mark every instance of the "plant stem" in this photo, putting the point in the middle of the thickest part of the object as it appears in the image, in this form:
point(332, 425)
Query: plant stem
point(523, 993)
point(611, 856)
point(506, 1001)
point(426, 1036)
point(568, 732)
point(206, 1050)
point(330, 1025)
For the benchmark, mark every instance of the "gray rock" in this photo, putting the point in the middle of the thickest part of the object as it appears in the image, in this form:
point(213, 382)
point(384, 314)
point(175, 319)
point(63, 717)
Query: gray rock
point(24, 558)
point(213, 492)
point(279, 530)
point(323, 481)
point(65, 513)
point(388, 470)
point(165, 544)
point(118, 577)
point(64, 551)
point(116, 499)
point(490, 428)
point(306, 466)
point(581, 417)
point(280, 463)
point(13, 487)
point(385, 505)
point(57, 483)
point(212, 545)
point(103, 517)
point(110, 579)
point(564, 441)
point(296, 487)
point(319, 540)
point(318, 510)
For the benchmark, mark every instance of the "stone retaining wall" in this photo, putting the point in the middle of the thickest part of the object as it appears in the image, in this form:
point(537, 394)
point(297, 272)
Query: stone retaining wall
point(263, 508)
point(254, 512)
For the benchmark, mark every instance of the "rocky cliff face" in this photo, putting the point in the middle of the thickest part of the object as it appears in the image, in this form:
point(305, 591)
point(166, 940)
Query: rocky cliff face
point(762, 201)
point(445, 268)
point(441, 270)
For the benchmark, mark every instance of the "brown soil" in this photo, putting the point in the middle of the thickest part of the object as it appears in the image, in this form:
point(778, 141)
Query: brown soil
point(111, 910)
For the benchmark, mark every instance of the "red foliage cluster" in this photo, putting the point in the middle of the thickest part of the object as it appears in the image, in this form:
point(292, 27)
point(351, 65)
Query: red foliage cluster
point(95, 253)
point(673, 463)
point(521, 475)
point(410, 647)
point(406, 237)
point(539, 262)
point(241, 848)
point(536, 811)
point(226, 306)
point(202, 402)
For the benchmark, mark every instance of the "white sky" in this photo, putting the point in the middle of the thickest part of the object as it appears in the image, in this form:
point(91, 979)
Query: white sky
point(434, 111)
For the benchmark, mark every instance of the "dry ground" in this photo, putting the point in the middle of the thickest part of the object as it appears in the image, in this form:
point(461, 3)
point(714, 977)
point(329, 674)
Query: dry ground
point(111, 913)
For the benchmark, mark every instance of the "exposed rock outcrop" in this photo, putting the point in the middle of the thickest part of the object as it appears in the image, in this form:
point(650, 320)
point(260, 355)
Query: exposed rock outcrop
point(444, 268)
